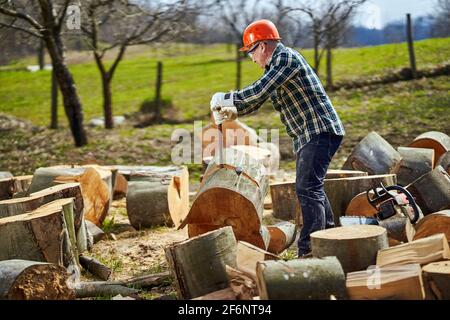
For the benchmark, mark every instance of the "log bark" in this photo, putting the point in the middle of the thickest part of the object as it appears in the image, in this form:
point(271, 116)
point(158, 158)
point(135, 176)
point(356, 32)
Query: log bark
point(340, 192)
point(398, 228)
point(422, 251)
point(438, 141)
point(444, 161)
point(395, 282)
point(282, 235)
point(374, 155)
point(432, 224)
point(95, 267)
point(437, 277)
point(198, 264)
point(356, 247)
point(158, 198)
point(31, 280)
point(304, 279)
point(415, 163)
point(231, 195)
point(432, 191)
point(248, 256)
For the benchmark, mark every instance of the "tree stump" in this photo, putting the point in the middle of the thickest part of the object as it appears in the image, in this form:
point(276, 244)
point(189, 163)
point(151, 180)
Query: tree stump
point(432, 224)
point(231, 195)
point(282, 235)
point(438, 141)
point(432, 191)
point(356, 247)
point(303, 279)
point(395, 282)
point(437, 277)
point(158, 198)
point(444, 161)
point(422, 251)
point(31, 280)
point(198, 265)
point(374, 155)
point(415, 163)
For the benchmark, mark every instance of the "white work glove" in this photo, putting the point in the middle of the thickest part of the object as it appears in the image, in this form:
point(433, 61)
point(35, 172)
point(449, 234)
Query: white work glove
point(223, 107)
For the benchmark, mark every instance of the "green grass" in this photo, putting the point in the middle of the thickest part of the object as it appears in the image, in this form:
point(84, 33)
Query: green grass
point(191, 75)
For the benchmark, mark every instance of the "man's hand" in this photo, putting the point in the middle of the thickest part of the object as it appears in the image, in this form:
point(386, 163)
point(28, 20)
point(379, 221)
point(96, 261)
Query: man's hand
point(223, 107)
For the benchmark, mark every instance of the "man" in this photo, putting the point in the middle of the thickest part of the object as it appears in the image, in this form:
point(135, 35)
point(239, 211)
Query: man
point(306, 111)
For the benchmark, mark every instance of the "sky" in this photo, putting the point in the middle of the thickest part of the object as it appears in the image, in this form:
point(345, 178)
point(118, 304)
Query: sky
point(377, 13)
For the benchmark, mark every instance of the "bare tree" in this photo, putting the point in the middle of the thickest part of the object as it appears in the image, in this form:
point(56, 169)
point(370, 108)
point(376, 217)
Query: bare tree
point(44, 19)
point(441, 25)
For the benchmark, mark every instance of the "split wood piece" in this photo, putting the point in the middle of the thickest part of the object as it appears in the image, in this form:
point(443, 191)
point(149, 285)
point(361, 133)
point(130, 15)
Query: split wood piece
point(95, 267)
point(444, 161)
point(374, 155)
point(96, 232)
point(46, 234)
point(415, 163)
point(398, 228)
point(395, 282)
point(232, 195)
point(120, 187)
point(102, 288)
point(434, 223)
point(31, 280)
point(422, 251)
point(6, 174)
point(438, 141)
point(284, 197)
point(243, 286)
point(302, 279)
point(247, 257)
point(198, 264)
point(432, 191)
point(282, 235)
point(437, 277)
point(22, 183)
point(224, 294)
point(155, 198)
point(340, 192)
point(356, 246)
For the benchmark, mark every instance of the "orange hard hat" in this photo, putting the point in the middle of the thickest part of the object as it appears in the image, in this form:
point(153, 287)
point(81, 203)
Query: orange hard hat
point(258, 31)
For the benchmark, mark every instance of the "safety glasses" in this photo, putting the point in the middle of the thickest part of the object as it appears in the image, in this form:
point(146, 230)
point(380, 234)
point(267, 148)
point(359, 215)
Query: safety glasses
point(252, 50)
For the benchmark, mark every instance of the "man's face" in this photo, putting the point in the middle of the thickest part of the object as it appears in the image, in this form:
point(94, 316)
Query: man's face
point(259, 54)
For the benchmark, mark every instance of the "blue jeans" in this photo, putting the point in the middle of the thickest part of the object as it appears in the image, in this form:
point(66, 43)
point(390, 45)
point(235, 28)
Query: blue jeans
point(312, 165)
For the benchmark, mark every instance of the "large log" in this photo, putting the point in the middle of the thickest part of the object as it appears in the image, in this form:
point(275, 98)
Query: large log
point(432, 191)
point(437, 277)
point(282, 235)
point(46, 234)
point(158, 198)
point(438, 141)
point(434, 223)
point(374, 155)
point(422, 251)
point(444, 161)
point(31, 280)
point(303, 279)
point(356, 247)
point(232, 194)
point(248, 256)
point(284, 197)
point(198, 264)
point(341, 191)
point(415, 163)
point(395, 282)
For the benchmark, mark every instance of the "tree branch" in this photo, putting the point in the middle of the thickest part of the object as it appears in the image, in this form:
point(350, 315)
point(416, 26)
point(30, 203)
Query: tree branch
point(23, 16)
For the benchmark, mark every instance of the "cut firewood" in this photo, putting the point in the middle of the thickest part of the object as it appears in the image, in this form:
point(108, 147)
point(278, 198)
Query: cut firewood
point(198, 264)
point(432, 191)
point(101, 288)
point(438, 141)
point(31, 280)
point(46, 234)
point(422, 251)
point(120, 187)
point(158, 198)
point(444, 161)
point(415, 163)
point(374, 155)
point(95, 267)
point(231, 195)
point(303, 279)
point(394, 282)
point(247, 257)
point(356, 246)
point(22, 183)
point(282, 235)
point(437, 277)
point(243, 286)
point(341, 191)
point(434, 223)
point(224, 294)
point(398, 228)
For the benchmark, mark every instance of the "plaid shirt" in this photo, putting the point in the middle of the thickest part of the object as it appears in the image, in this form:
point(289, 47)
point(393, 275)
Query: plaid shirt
point(296, 92)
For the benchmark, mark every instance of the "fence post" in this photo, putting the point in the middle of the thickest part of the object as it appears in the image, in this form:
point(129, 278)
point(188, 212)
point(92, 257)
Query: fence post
point(412, 57)
point(158, 89)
